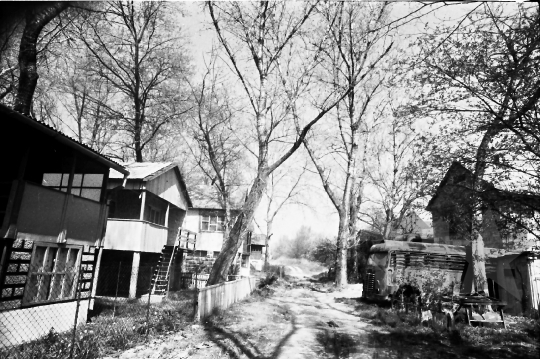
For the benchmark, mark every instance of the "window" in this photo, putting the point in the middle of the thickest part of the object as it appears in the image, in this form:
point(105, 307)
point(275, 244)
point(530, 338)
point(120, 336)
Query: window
point(212, 223)
point(87, 185)
point(53, 274)
point(156, 216)
point(200, 254)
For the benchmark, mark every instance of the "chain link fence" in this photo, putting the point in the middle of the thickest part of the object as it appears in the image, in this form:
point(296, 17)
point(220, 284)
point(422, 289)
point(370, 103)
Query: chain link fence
point(59, 314)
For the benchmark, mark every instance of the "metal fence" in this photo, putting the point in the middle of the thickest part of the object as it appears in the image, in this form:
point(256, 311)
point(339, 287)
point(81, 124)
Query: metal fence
point(58, 318)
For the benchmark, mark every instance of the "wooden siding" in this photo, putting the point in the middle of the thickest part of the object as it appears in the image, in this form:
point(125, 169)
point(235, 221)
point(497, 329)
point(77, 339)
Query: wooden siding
point(135, 235)
point(223, 295)
point(168, 187)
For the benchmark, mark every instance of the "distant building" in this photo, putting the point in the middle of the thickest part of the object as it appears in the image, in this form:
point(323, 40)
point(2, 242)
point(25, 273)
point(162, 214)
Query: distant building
point(451, 210)
point(207, 218)
point(512, 252)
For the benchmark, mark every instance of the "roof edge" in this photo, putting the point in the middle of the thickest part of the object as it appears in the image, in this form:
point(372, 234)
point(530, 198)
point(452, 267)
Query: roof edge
point(64, 139)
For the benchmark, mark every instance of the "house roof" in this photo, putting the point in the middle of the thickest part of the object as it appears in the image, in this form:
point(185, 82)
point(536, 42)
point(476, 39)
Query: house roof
point(147, 171)
point(490, 190)
point(258, 239)
point(63, 138)
point(144, 171)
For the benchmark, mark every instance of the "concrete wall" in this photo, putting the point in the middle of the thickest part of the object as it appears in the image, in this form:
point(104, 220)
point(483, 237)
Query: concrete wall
point(23, 325)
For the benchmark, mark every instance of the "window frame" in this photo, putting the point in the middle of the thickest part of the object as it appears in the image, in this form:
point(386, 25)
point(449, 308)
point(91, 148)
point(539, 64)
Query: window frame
point(56, 276)
point(213, 222)
point(64, 182)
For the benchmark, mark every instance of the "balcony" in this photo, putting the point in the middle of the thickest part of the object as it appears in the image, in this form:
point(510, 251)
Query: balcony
point(39, 213)
point(135, 235)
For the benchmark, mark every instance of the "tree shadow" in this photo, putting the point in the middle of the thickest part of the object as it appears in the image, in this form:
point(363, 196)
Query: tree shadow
point(222, 337)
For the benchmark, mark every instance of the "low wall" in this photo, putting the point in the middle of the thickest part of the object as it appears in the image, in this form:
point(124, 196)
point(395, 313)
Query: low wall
point(22, 325)
point(223, 295)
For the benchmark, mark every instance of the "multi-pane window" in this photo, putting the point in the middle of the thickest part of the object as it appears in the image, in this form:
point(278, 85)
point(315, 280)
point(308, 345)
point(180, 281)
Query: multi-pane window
point(53, 274)
point(156, 216)
point(212, 223)
point(87, 185)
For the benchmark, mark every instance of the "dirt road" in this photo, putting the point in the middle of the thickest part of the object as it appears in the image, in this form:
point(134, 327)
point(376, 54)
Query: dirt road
point(301, 320)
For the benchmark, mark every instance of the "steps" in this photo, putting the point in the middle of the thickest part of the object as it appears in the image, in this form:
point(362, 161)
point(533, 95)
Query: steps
point(161, 275)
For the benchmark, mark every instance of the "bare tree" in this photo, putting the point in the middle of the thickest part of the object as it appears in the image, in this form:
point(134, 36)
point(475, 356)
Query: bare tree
point(284, 188)
point(36, 18)
point(353, 52)
point(485, 77)
point(216, 148)
point(134, 52)
point(263, 43)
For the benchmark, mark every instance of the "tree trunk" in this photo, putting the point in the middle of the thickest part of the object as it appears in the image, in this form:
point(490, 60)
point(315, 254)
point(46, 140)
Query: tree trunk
point(269, 225)
point(341, 255)
point(36, 19)
point(232, 243)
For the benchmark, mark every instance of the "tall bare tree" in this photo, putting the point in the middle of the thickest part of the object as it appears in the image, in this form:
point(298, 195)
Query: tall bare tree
point(142, 55)
point(263, 44)
point(215, 145)
point(483, 74)
point(356, 43)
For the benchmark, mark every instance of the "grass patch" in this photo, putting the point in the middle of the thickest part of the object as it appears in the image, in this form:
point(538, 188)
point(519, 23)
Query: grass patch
point(404, 332)
point(106, 334)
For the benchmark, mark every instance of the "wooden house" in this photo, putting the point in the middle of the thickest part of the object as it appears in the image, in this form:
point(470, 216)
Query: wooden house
point(207, 218)
point(144, 229)
point(512, 252)
point(52, 215)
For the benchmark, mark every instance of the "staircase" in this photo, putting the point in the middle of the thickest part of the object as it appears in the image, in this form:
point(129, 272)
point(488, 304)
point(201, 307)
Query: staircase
point(160, 278)
point(161, 275)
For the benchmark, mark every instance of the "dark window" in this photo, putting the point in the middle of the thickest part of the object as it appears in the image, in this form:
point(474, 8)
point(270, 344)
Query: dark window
point(87, 185)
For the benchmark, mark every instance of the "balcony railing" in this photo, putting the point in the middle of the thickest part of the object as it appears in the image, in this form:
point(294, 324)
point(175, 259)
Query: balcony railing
point(39, 213)
point(135, 235)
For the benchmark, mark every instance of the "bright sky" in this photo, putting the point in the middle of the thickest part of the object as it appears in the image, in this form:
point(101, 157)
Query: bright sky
point(322, 217)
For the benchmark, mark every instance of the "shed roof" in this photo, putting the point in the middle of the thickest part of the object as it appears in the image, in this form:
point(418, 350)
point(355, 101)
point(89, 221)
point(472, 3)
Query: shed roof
point(64, 139)
point(145, 171)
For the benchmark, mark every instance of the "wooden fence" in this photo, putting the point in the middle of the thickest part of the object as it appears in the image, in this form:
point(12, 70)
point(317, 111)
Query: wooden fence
point(223, 295)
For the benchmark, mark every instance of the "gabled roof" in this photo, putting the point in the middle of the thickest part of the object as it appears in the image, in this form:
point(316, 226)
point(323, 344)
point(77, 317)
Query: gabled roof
point(147, 171)
point(490, 191)
point(144, 171)
point(63, 138)
point(455, 167)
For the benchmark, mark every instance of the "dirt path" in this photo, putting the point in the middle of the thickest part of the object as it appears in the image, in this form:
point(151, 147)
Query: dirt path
point(296, 321)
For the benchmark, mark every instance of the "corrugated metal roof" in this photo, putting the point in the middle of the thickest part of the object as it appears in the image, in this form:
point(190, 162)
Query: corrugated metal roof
point(44, 127)
point(143, 170)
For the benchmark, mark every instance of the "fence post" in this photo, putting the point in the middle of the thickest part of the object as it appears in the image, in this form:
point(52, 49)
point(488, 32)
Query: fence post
point(116, 294)
point(148, 306)
point(78, 297)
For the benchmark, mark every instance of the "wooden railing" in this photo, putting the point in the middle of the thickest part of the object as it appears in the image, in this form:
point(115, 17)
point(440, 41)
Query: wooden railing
point(222, 296)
